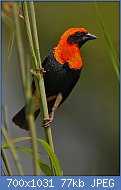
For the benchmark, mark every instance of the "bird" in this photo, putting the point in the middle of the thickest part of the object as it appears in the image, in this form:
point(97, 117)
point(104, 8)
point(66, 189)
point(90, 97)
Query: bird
point(62, 66)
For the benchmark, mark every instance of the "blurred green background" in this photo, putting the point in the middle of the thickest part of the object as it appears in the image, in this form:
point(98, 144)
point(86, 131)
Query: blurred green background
point(86, 127)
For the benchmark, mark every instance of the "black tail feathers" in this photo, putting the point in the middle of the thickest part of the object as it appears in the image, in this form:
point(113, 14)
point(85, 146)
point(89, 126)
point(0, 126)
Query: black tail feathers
point(20, 118)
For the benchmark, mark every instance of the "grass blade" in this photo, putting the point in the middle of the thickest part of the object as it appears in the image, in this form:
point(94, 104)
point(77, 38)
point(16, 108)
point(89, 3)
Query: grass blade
point(109, 45)
point(5, 120)
point(6, 163)
point(44, 167)
point(10, 46)
point(48, 149)
point(15, 140)
point(52, 156)
point(13, 151)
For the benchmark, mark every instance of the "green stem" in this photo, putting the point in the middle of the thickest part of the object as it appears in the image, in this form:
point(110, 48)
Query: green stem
point(31, 123)
point(41, 86)
point(5, 118)
point(41, 81)
point(34, 144)
point(28, 28)
point(5, 160)
point(109, 44)
point(27, 93)
point(44, 107)
point(19, 44)
point(13, 151)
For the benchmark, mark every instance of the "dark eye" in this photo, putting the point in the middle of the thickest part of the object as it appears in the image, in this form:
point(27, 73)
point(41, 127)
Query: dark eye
point(79, 34)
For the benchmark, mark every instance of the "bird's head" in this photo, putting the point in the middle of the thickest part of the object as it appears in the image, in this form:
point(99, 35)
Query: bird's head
point(68, 47)
point(77, 36)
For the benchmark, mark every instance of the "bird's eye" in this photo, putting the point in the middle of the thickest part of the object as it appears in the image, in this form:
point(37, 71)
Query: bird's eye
point(78, 34)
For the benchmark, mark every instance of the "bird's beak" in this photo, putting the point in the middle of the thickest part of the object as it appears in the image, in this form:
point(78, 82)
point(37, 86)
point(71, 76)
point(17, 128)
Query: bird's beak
point(89, 36)
point(85, 38)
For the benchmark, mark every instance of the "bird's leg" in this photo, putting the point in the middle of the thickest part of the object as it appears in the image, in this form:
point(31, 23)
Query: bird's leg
point(47, 122)
point(41, 70)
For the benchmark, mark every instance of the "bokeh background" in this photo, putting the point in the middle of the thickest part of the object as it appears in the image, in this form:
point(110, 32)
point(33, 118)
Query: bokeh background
point(86, 127)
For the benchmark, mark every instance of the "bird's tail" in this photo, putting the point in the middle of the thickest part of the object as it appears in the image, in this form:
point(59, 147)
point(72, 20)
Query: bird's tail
point(20, 118)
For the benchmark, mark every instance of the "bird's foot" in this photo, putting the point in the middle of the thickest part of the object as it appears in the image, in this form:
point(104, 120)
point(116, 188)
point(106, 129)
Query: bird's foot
point(41, 70)
point(47, 121)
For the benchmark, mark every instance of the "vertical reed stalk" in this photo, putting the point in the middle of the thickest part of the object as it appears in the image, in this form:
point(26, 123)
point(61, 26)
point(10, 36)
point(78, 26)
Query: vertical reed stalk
point(5, 118)
point(31, 123)
point(5, 160)
point(30, 116)
point(41, 81)
point(37, 64)
point(13, 151)
point(109, 45)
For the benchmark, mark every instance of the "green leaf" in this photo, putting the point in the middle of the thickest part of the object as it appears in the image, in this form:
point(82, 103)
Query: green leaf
point(44, 167)
point(10, 46)
point(48, 149)
point(29, 150)
point(52, 156)
point(109, 45)
point(16, 140)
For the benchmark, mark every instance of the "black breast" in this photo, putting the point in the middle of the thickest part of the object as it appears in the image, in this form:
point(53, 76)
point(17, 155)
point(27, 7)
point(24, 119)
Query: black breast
point(59, 77)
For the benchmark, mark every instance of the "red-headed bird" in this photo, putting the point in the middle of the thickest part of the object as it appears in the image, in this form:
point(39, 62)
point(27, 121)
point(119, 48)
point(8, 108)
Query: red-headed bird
point(63, 67)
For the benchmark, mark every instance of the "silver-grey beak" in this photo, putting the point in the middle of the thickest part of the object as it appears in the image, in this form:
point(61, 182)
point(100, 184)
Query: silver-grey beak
point(89, 36)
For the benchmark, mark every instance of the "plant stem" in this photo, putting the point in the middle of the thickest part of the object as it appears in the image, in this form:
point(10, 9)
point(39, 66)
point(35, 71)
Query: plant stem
point(13, 152)
point(5, 160)
point(37, 64)
point(44, 107)
point(27, 93)
point(5, 122)
point(28, 28)
point(19, 44)
point(34, 144)
point(109, 44)
point(31, 123)
point(41, 81)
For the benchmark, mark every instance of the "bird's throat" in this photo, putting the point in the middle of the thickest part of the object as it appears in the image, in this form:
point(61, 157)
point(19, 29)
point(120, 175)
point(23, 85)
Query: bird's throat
point(66, 53)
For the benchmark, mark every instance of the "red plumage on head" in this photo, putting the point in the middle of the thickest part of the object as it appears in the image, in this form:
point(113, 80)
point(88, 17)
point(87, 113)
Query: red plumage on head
point(65, 52)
